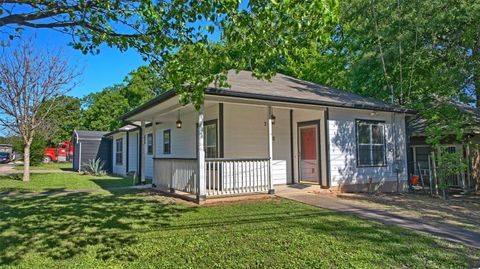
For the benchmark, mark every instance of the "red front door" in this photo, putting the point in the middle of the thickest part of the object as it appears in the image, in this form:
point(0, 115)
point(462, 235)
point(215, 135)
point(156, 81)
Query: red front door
point(309, 153)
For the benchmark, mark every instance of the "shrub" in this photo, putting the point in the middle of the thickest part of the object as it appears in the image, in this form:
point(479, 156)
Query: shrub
point(94, 167)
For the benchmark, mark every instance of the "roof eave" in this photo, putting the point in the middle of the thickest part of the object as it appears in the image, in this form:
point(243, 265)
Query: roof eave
point(223, 92)
point(153, 102)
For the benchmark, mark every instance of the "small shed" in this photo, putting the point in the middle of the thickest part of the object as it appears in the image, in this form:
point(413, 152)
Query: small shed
point(90, 145)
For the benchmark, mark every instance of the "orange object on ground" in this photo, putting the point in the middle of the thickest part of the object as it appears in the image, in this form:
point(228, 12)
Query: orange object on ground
point(415, 180)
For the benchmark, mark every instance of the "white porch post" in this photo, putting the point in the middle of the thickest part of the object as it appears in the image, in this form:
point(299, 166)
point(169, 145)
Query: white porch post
point(201, 183)
point(154, 136)
point(142, 153)
point(154, 145)
point(270, 151)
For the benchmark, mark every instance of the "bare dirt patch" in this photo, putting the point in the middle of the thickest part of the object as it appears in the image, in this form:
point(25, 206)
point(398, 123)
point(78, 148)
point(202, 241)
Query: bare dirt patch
point(459, 210)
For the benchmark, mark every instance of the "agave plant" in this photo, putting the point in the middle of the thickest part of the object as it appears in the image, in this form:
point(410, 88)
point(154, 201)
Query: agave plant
point(93, 167)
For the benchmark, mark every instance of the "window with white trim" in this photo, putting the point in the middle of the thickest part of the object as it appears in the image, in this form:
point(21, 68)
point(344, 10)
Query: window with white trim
point(371, 143)
point(210, 139)
point(166, 142)
point(119, 151)
point(150, 144)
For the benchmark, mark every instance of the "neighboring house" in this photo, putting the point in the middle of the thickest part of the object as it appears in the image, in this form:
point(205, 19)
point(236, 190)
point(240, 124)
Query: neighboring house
point(125, 141)
point(257, 134)
point(420, 153)
point(90, 145)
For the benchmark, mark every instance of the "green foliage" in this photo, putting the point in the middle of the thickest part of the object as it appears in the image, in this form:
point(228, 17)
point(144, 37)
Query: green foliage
point(63, 118)
point(259, 39)
point(103, 109)
point(448, 164)
point(39, 143)
point(151, 27)
point(36, 149)
point(444, 121)
point(141, 85)
point(14, 140)
point(420, 54)
point(94, 167)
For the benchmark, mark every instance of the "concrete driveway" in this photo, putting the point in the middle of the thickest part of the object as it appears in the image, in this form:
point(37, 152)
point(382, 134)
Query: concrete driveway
point(313, 195)
point(7, 169)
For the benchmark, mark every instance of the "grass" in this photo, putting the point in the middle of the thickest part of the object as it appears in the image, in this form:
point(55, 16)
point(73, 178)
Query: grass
point(133, 230)
point(59, 181)
point(48, 166)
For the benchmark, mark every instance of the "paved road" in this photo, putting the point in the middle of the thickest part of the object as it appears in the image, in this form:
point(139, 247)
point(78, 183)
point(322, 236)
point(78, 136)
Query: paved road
point(304, 194)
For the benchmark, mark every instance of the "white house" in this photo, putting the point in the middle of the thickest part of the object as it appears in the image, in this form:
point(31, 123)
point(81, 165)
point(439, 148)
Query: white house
point(257, 134)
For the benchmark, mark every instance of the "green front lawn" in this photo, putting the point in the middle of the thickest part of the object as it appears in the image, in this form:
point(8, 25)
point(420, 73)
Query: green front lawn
point(134, 230)
point(59, 181)
point(48, 166)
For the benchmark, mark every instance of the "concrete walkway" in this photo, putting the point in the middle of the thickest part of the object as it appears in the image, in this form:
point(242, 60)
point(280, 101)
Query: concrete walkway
point(308, 194)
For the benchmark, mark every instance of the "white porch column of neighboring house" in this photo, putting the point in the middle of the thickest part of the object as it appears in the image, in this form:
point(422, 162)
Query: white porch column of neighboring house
point(142, 153)
point(270, 151)
point(201, 183)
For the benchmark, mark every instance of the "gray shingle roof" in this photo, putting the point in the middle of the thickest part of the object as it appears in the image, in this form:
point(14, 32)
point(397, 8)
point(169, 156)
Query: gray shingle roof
point(84, 134)
point(289, 89)
point(281, 88)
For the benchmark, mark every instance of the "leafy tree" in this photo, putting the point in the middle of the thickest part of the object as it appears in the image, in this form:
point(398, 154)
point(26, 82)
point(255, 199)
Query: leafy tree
point(63, 118)
point(414, 53)
point(141, 85)
point(100, 113)
point(262, 34)
point(151, 27)
point(259, 38)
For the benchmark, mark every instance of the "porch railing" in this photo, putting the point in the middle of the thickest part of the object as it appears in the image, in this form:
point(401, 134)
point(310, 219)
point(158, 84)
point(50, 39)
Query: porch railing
point(177, 174)
point(236, 176)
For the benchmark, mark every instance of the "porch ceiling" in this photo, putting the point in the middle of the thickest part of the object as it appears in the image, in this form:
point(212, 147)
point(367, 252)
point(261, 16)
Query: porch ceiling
point(165, 107)
point(166, 111)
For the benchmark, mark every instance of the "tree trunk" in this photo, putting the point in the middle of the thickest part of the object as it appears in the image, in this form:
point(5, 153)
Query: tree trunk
point(26, 163)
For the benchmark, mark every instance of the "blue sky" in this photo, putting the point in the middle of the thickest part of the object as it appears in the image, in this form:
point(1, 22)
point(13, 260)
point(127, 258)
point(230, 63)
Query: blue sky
point(108, 67)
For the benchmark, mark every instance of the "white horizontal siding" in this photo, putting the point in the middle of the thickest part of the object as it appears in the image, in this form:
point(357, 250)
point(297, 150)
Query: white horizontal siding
point(279, 172)
point(343, 147)
point(246, 136)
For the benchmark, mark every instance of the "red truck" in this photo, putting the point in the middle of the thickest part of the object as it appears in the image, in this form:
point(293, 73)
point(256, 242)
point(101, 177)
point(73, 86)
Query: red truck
point(62, 153)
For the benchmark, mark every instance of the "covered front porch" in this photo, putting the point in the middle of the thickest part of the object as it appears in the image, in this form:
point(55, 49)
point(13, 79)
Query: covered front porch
point(232, 146)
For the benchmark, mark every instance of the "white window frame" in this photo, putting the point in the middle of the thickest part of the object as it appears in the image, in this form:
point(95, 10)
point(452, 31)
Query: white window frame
point(169, 141)
point(371, 123)
point(150, 144)
point(119, 141)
